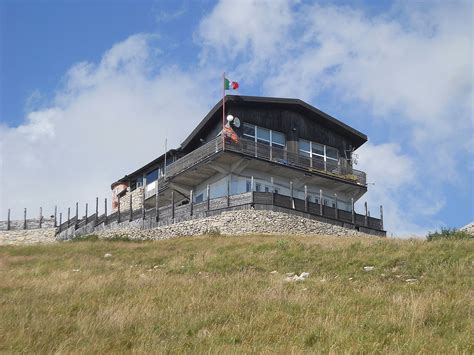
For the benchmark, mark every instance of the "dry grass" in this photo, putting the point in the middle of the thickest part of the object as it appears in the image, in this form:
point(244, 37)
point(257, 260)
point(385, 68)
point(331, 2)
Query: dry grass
point(216, 294)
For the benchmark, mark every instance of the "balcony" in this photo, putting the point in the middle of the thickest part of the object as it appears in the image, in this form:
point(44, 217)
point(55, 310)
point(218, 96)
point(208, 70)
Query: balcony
point(340, 169)
point(336, 169)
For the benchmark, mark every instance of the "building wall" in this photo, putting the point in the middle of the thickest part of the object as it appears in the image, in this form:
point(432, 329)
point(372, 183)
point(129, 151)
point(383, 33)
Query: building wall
point(263, 182)
point(292, 123)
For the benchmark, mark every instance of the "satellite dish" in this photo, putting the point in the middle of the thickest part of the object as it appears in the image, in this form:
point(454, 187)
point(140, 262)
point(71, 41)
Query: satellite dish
point(230, 118)
point(236, 122)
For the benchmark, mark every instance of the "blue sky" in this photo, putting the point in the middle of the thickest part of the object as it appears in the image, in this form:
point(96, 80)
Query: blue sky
point(143, 71)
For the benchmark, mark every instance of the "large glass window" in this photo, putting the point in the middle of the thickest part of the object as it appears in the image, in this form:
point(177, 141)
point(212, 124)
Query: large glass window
point(151, 176)
point(317, 151)
point(331, 153)
point(264, 136)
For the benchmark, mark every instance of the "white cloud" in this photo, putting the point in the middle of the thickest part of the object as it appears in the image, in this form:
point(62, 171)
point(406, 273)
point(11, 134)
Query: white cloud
point(392, 178)
point(108, 119)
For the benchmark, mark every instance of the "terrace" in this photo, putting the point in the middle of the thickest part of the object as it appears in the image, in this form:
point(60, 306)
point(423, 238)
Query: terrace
point(340, 169)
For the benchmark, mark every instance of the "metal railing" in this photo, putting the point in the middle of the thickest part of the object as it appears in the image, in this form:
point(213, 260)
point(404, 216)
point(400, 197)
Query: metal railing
point(172, 213)
point(340, 168)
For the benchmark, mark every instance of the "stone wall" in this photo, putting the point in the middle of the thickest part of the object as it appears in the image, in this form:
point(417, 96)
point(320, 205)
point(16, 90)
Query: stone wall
point(137, 198)
point(31, 223)
point(237, 222)
point(28, 236)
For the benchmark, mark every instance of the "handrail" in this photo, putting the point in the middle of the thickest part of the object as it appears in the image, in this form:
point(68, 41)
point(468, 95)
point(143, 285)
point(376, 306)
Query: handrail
point(341, 168)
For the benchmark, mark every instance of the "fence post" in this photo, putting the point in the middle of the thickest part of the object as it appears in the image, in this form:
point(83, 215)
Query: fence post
point(55, 216)
point(105, 211)
point(172, 205)
point(366, 222)
point(130, 205)
point(24, 219)
point(41, 217)
point(291, 195)
point(8, 220)
point(77, 213)
point(320, 202)
point(273, 198)
point(208, 196)
point(228, 193)
point(68, 216)
point(305, 198)
point(191, 202)
point(143, 203)
point(353, 212)
point(96, 210)
point(157, 200)
point(60, 220)
point(381, 217)
point(336, 213)
point(87, 210)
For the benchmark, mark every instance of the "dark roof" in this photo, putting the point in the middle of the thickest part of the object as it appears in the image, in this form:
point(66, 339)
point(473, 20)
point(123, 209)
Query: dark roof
point(145, 167)
point(357, 137)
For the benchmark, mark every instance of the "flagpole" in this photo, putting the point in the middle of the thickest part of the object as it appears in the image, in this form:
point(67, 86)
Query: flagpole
point(223, 110)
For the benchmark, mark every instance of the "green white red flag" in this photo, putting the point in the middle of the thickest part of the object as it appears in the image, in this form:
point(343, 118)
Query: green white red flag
point(230, 85)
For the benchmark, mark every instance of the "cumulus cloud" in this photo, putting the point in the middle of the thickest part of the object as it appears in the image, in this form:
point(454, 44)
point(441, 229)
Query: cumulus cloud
point(106, 120)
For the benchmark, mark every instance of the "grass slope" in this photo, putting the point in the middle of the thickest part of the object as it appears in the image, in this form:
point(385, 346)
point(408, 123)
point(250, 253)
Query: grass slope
point(216, 294)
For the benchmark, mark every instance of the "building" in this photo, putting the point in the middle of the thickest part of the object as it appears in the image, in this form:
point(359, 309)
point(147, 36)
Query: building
point(284, 152)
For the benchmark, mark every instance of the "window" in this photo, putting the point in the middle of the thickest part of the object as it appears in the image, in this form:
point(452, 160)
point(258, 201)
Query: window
point(248, 186)
point(151, 176)
point(278, 139)
point(258, 187)
point(267, 189)
point(331, 153)
point(249, 130)
point(199, 198)
point(276, 190)
point(317, 151)
point(264, 136)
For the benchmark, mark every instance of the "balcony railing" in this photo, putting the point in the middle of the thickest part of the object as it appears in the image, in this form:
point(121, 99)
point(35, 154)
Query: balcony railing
point(340, 168)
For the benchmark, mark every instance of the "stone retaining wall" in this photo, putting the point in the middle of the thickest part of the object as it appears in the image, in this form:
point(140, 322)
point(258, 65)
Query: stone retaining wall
point(137, 198)
point(238, 222)
point(29, 236)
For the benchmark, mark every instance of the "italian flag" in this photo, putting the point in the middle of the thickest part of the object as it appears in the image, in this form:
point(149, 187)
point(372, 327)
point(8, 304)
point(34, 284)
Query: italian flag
point(230, 85)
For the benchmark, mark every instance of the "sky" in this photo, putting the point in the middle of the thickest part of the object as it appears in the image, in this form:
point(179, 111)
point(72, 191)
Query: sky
point(90, 90)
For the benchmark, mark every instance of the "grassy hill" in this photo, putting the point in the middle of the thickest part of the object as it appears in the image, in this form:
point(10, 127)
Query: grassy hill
point(220, 295)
